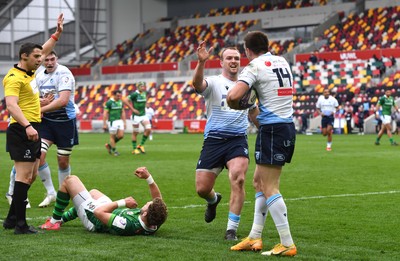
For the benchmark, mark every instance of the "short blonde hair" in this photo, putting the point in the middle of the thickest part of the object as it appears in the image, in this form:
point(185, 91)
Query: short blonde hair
point(221, 53)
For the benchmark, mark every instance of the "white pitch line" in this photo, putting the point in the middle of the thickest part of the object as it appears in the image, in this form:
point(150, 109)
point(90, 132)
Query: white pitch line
point(311, 197)
point(287, 199)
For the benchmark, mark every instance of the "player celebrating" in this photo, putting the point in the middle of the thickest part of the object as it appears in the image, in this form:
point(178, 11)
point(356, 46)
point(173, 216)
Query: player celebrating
point(114, 120)
point(225, 137)
point(98, 213)
point(58, 121)
point(137, 103)
point(386, 102)
point(272, 80)
point(326, 107)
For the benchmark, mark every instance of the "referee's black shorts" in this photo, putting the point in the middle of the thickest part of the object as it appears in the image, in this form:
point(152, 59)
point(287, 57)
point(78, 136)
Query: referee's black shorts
point(18, 145)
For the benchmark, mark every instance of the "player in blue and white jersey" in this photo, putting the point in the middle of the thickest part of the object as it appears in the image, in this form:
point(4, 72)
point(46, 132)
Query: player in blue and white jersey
point(270, 76)
point(327, 106)
point(225, 137)
point(58, 121)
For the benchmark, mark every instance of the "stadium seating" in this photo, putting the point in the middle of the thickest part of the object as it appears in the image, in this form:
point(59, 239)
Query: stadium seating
point(373, 29)
point(261, 7)
point(171, 100)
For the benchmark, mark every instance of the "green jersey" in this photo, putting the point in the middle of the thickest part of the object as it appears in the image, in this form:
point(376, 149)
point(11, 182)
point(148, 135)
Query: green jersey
point(139, 102)
point(114, 109)
point(387, 103)
point(123, 222)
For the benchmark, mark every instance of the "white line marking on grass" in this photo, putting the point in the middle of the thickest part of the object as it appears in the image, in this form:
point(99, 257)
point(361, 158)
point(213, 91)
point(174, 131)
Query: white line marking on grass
point(311, 197)
point(287, 199)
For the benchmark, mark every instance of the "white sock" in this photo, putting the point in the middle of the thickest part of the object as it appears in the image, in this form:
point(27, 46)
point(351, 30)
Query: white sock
point(260, 214)
point(45, 176)
point(278, 210)
point(12, 181)
point(329, 144)
point(62, 174)
point(233, 221)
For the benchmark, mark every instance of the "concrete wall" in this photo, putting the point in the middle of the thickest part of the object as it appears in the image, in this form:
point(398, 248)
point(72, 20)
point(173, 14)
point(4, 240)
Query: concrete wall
point(128, 16)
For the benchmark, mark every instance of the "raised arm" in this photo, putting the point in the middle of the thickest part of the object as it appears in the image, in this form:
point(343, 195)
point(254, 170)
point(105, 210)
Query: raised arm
point(198, 78)
point(143, 173)
point(48, 46)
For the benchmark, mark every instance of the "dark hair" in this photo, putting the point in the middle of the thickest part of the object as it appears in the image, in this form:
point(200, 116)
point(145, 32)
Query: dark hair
point(257, 42)
point(157, 212)
point(27, 48)
point(116, 92)
point(221, 53)
point(53, 52)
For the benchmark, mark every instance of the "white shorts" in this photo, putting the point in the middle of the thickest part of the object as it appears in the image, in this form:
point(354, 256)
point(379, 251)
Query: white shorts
point(84, 202)
point(115, 126)
point(386, 119)
point(139, 119)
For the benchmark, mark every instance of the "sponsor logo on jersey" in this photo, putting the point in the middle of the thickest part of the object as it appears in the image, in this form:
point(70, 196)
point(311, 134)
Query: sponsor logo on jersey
point(285, 91)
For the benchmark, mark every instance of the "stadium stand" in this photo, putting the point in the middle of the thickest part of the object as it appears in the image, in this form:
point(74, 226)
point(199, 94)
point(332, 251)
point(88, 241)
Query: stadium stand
point(361, 77)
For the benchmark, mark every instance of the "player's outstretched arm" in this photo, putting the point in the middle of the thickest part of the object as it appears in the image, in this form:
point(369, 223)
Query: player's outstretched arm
point(198, 78)
point(143, 173)
point(48, 46)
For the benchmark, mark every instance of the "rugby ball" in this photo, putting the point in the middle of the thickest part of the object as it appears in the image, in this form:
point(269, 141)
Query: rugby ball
point(248, 99)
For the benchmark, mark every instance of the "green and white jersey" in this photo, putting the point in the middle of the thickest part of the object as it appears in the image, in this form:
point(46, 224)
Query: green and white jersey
point(114, 109)
point(387, 103)
point(123, 222)
point(127, 222)
point(139, 102)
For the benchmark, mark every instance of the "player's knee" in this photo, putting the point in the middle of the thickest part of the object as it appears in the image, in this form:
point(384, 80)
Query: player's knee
point(63, 165)
point(95, 193)
point(70, 179)
point(202, 191)
point(238, 180)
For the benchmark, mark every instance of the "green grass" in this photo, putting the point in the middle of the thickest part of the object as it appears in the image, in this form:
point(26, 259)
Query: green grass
point(342, 205)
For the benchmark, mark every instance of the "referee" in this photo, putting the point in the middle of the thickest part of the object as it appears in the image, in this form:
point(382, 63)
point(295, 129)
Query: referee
point(23, 141)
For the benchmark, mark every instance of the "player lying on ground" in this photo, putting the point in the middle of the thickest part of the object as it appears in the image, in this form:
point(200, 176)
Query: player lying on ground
point(99, 213)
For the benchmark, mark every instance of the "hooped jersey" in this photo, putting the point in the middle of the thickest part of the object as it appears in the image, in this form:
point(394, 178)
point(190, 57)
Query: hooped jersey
point(22, 84)
point(58, 81)
point(272, 79)
point(222, 121)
